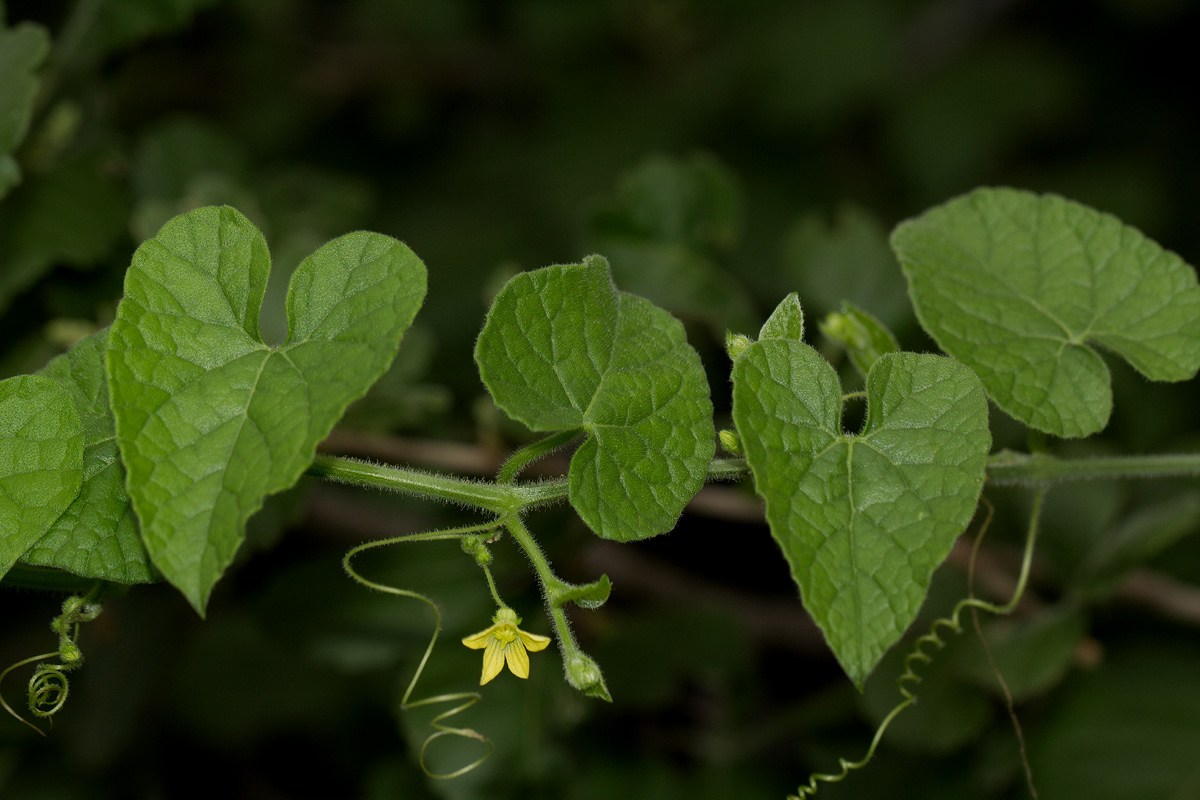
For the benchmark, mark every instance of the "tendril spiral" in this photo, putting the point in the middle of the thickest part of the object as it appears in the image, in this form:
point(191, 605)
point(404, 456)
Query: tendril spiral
point(464, 700)
point(49, 686)
point(48, 690)
point(924, 646)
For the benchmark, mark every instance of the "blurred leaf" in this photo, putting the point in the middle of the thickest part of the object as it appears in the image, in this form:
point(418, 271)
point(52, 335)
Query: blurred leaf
point(118, 24)
point(695, 201)
point(316, 609)
point(187, 163)
point(74, 215)
point(663, 230)
point(949, 713)
point(1139, 538)
point(1127, 730)
point(1032, 654)
point(650, 656)
point(237, 686)
point(863, 520)
point(847, 258)
point(97, 536)
point(865, 338)
point(400, 399)
point(22, 50)
point(563, 348)
point(1019, 286)
point(680, 279)
point(174, 153)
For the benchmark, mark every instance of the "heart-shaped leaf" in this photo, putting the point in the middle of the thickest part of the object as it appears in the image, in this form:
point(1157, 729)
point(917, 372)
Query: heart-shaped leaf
point(1016, 286)
point(41, 461)
point(209, 419)
point(563, 349)
point(97, 536)
point(863, 520)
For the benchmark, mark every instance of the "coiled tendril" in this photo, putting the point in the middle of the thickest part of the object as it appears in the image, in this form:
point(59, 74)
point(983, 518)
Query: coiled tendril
point(933, 641)
point(48, 686)
point(474, 546)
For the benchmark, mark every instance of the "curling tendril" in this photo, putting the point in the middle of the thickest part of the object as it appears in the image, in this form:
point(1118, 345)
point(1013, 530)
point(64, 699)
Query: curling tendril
point(920, 653)
point(48, 686)
point(470, 534)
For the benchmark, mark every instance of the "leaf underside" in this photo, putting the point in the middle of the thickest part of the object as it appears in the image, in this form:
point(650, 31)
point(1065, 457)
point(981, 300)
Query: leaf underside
point(1019, 287)
point(41, 457)
point(209, 419)
point(563, 349)
point(97, 536)
point(863, 520)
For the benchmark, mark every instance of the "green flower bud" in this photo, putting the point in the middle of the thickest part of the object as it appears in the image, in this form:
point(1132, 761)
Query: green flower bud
point(736, 344)
point(731, 441)
point(584, 674)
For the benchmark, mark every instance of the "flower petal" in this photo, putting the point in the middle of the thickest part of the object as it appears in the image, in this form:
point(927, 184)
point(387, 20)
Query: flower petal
point(518, 659)
point(533, 641)
point(493, 661)
point(478, 641)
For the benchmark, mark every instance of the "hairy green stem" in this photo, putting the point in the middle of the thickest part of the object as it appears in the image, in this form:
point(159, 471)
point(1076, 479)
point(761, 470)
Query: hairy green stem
point(504, 499)
point(1007, 467)
point(492, 497)
point(532, 452)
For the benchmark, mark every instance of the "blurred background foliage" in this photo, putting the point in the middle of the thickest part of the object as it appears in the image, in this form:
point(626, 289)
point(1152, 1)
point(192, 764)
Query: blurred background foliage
point(722, 154)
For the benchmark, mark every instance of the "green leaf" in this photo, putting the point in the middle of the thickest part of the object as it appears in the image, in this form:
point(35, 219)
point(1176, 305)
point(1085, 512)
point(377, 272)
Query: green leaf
point(1017, 286)
point(845, 256)
point(862, 520)
point(41, 457)
point(664, 230)
point(563, 349)
point(22, 50)
point(1126, 729)
point(210, 419)
point(1135, 541)
point(97, 536)
point(1033, 653)
point(864, 337)
point(786, 321)
point(120, 24)
point(74, 215)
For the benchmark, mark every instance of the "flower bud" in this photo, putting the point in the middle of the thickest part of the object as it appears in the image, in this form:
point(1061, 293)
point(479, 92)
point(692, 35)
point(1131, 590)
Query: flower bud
point(736, 344)
point(584, 674)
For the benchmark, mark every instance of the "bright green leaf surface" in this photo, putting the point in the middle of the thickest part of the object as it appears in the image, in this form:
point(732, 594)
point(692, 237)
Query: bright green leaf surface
point(1017, 286)
point(41, 453)
point(786, 321)
point(22, 50)
point(563, 349)
point(862, 520)
point(209, 419)
point(97, 536)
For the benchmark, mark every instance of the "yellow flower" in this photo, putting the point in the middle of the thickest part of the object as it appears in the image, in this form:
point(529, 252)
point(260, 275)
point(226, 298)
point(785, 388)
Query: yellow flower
point(505, 642)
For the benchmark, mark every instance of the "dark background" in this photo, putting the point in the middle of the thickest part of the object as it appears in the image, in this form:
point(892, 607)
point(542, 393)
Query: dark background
point(722, 154)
